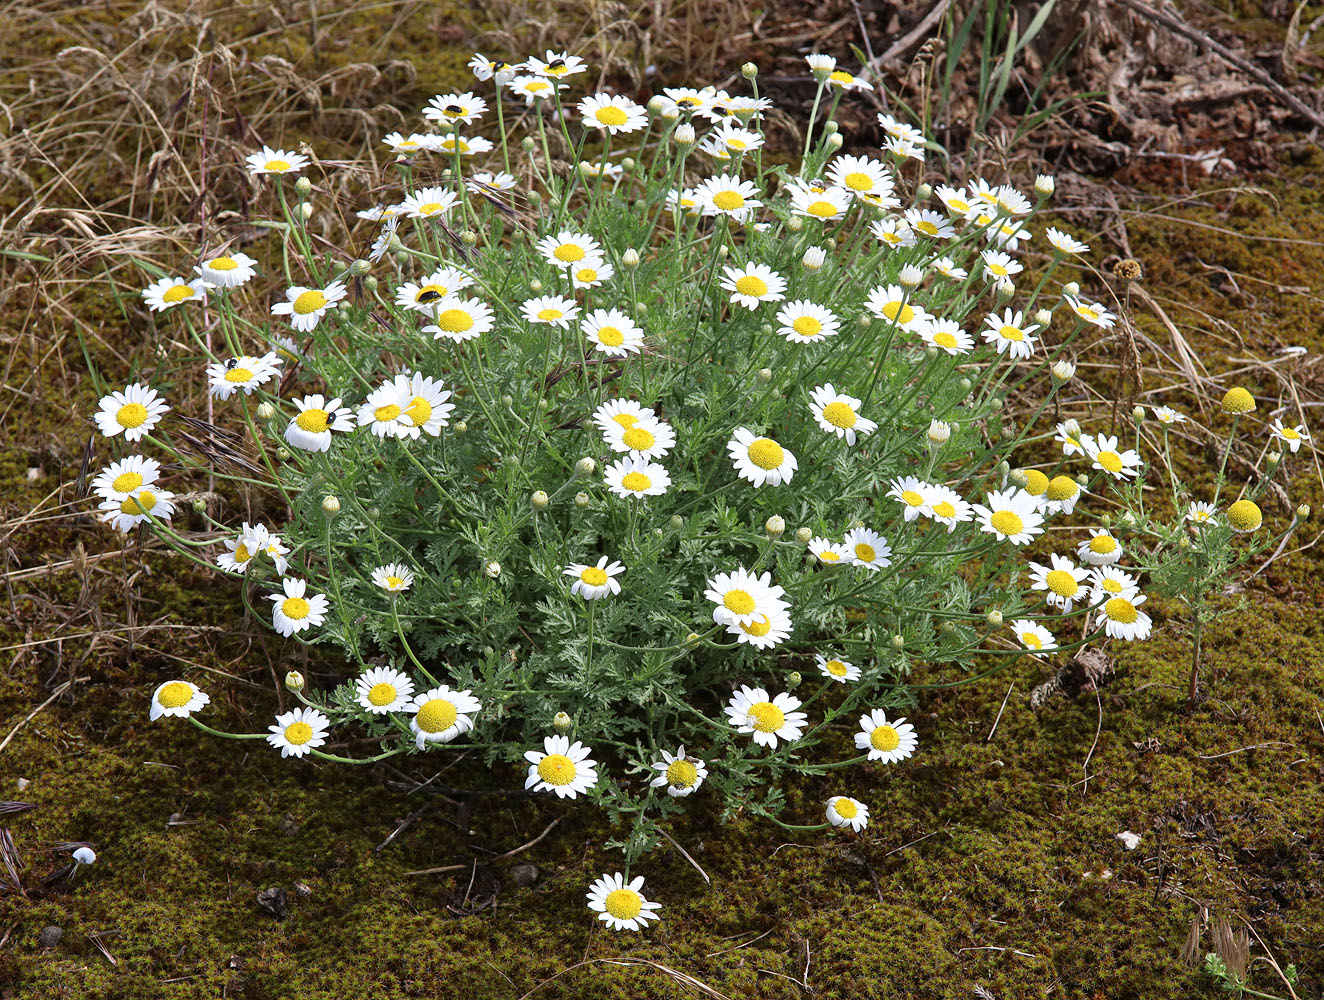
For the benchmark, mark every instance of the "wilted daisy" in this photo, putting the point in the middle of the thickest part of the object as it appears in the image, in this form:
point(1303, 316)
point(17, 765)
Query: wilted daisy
point(842, 810)
point(617, 414)
point(647, 437)
point(455, 109)
point(305, 306)
point(888, 742)
point(912, 493)
point(133, 412)
point(311, 427)
point(458, 319)
point(227, 270)
point(241, 550)
point(768, 629)
point(1101, 549)
point(1200, 512)
point(1093, 313)
point(895, 305)
point(170, 292)
point(591, 273)
point(429, 202)
point(612, 332)
point(177, 699)
point(636, 477)
point(946, 506)
point(393, 577)
point(275, 161)
point(827, 551)
point(804, 322)
point(299, 731)
point(741, 597)
point(1108, 458)
point(1063, 582)
point(293, 611)
point(415, 143)
point(620, 905)
point(1290, 436)
point(760, 460)
point(835, 669)
point(552, 309)
point(867, 548)
point(535, 88)
point(383, 690)
point(680, 774)
point(440, 715)
point(244, 373)
point(422, 296)
point(594, 582)
point(1123, 619)
point(947, 335)
point(565, 768)
point(753, 284)
point(838, 413)
point(827, 205)
point(1109, 581)
point(1009, 333)
point(751, 710)
point(556, 64)
point(121, 478)
point(727, 195)
point(1033, 636)
point(1012, 516)
point(1067, 244)
point(383, 242)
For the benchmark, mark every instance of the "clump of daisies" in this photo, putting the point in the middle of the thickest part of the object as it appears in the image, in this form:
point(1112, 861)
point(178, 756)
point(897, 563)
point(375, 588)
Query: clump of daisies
point(643, 482)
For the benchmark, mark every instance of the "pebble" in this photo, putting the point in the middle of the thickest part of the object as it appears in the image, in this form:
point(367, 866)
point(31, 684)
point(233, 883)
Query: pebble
point(524, 875)
point(50, 936)
point(274, 901)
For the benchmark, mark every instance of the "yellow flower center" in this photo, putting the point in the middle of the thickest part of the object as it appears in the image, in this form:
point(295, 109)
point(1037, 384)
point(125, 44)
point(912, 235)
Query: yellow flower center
point(536, 85)
point(141, 504)
point(998, 269)
point(296, 608)
point(431, 208)
point(865, 552)
point(131, 415)
point(1061, 488)
point(1238, 400)
point(728, 201)
point(1103, 544)
point(611, 115)
point(1289, 434)
point(943, 509)
point(822, 209)
point(585, 275)
point(1007, 522)
point(766, 453)
point(1119, 609)
point(739, 602)
point(176, 694)
point(944, 339)
point(312, 420)
point(839, 414)
point(593, 576)
point(611, 336)
point(1035, 482)
point(241, 553)
point(766, 717)
point(177, 293)
point(298, 733)
point(638, 438)
point(436, 716)
point(926, 227)
point(682, 774)
point(382, 694)
point(807, 326)
point(384, 413)
point(912, 498)
point(1012, 333)
point(222, 264)
point(455, 321)
point(957, 205)
point(846, 808)
point(278, 166)
point(309, 302)
point(549, 314)
point(898, 312)
point(626, 420)
point(884, 738)
point(636, 481)
point(395, 582)
point(1111, 586)
point(1244, 515)
point(238, 375)
point(841, 77)
point(569, 253)
point(127, 482)
point(1061, 583)
point(752, 285)
point(858, 181)
point(758, 628)
point(624, 904)
point(419, 411)
point(829, 555)
point(556, 769)
point(1111, 461)
point(1031, 640)
point(835, 667)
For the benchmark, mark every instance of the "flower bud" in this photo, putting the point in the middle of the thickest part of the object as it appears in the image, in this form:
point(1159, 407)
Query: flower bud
point(283, 453)
point(461, 428)
point(199, 506)
point(1063, 371)
point(965, 383)
point(1072, 426)
point(1004, 289)
point(294, 681)
point(539, 500)
point(793, 680)
point(813, 258)
point(359, 268)
point(507, 400)
point(898, 641)
point(910, 276)
point(834, 141)
point(749, 71)
point(581, 500)
point(533, 194)
point(330, 505)
point(766, 330)
point(939, 432)
point(1303, 512)
point(535, 286)
point(527, 144)
point(994, 618)
point(724, 251)
point(684, 135)
point(1071, 288)
point(803, 535)
point(1138, 414)
point(930, 352)
point(794, 224)
point(1043, 317)
point(305, 211)
point(469, 238)
point(923, 192)
point(821, 64)
point(692, 639)
point(1018, 477)
point(670, 115)
point(630, 259)
point(492, 568)
point(370, 283)
point(544, 404)
point(586, 466)
point(655, 104)
point(1273, 458)
point(676, 521)
point(831, 127)
point(372, 513)
point(775, 526)
point(562, 722)
point(1045, 185)
point(765, 374)
point(303, 187)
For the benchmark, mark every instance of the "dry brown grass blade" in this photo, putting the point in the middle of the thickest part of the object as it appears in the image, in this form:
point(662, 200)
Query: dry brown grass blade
point(682, 978)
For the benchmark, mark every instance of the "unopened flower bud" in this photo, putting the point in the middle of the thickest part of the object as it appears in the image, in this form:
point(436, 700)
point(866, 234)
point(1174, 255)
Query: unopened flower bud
point(507, 400)
point(794, 224)
point(831, 128)
point(821, 64)
point(469, 238)
point(1273, 458)
point(630, 259)
point(492, 568)
point(1063, 371)
point(1043, 317)
point(670, 114)
point(965, 383)
point(923, 192)
point(1071, 288)
point(803, 535)
point(544, 404)
point(581, 500)
point(939, 432)
point(749, 71)
point(628, 164)
point(461, 428)
point(372, 513)
point(684, 135)
point(303, 187)
point(724, 251)
point(359, 268)
point(1072, 426)
point(1138, 414)
point(765, 374)
point(834, 141)
point(539, 500)
point(676, 521)
point(994, 618)
point(370, 283)
point(586, 466)
point(294, 681)
point(1045, 185)
point(813, 258)
point(199, 506)
point(265, 411)
point(898, 641)
point(793, 680)
point(930, 352)
point(1004, 289)
point(535, 286)
point(527, 144)
point(1303, 512)
point(283, 453)
point(655, 104)
point(330, 505)
point(305, 211)
point(910, 276)
point(775, 526)
point(562, 722)
point(1018, 477)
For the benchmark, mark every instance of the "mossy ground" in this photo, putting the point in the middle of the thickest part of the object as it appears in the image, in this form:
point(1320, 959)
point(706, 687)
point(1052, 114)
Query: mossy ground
point(989, 861)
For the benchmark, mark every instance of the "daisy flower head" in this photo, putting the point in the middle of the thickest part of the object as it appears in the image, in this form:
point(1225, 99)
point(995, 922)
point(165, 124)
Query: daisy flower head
point(827, 551)
point(861, 175)
point(380, 412)
point(955, 200)
point(424, 406)
point(381, 244)
point(305, 306)
point(730, 140)
point(429, 203)
point(227, 270)
point(912, 493)
point(275, 161)
point(1012, 516)
point(929, 223)
point(393, 578)
point(1064, 243)
point(687, 99)
point(458, 319)
point(620, 904)
point(170, 292)
point(311, 428)
point(299, 731)
point(415, 143)
point(296, 610)
point(637, 477)
point(242, 374)
point(647, 437)
point(821, 63)
point(485, 69)
point(1007, 234)
point(1010, 334)
point(888, 742)
point(484, 181)
point(591, 273)
point(567, 249)
point(760, 460)
point(1109, 581)
point(1063, 582)
point(843, 81)
point(768, 629)
point(1071, 439)
point(1033, 636)
point(1123, 619)
point(867, 548)
point(836, 669)
point(894, 234)
point(1010, 201)
point(240, 551)
point(752, 284)
point(1106, 456)
point(805, 322)
point(1290, 436)
point(1200, 512)
point(556, 64)
point(842, 810)
point(895, 305)
point(1167, 415)
point(594, 582)
point(441, 715)
point(1093, 313)
point(618, 414)
point(455, 109)
point(1100, 549)
point(383, 690)
point(946, 506)
point(752, 710)
point(121, 478)
point(826, 205)
point(680, 774)
point(564, 768)
point(613, 333)
point(727, 195)
point(744, 107)
point(947, 335)
point(904, 149)
point(274, 549)
point(535, 88)
point(1244, 516)
point(839, 414)
point(687, 200)
point(132, 412)
point(898, 129)
point(1000, 265)
point(948, 269)
point(423, 296)
point(464, 145)
point(741, 597)
point(612, 113)
point(177, 699)
point(551, 309)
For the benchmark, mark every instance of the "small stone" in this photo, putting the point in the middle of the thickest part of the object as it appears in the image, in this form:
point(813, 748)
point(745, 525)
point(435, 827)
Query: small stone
point(524, 875)
point(274, 901)
point(50, 936)
point(23, 783)
point(303, 889)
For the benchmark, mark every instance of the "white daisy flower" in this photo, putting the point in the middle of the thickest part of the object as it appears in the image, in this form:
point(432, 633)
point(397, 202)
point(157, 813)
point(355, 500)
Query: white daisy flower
point(861, 175)
point(752, 284)
point(898, 129)
point(948, 269)
point(455, 109)
point(680, 774)
point(751, 710)
point(928, 223)
point(1010, 333)
point(1167, 415)
point(415, 143)
point(242, 374)
point(595, 582)
point(867, 548)
point(380, 412)
point(1109, 581)
point(122, 478)
point(240, 551)
point(904, 149)
point(838, 413)
point(647, 437)
point(299, 731)
point(458, 319)
point(1123, 619)
point(381, 245)
point(912, 493)
point(425, 409)
point(1071, 439)
point(1106, 457)
point(805, 322)
point(955, 200)
point(836, 669)
point(441, 715)
point(844, 81)
point(177, 699)
point(535, 88)
point(144, 504)
point(275, 550)
point(888, 742)
point(1001, 265)
point(275, 161)
point(832, 553)
point(612, 332)
point(1200, 512)
point(464, 145)
point(826, 205)
point(1290, 436)
point(620, 905)
point(687, 200)
point(895, 305)
point(727, 195)
point(429, 203)
point(393, 578)
point(946, 506)
point(227, 270)
point(170, 292)
point(1063, 583)
point(484, 181)
point(1101, 549)
point(485, 69)
point(556, 64)
point(1033, 636)
point(565, 768)
point(552, 309)
point(1067, 244)
point(612, 113)
point(947, 335)
point(133, 412)
point(760, 460)
point(566, 248)
point(893, 234)
point(311, 427)
point(382, 690)
point(687, 99)
point(295, 610)
point(616, 415)
point(1011, 515)
point(637, 477)
point(842, 810)
point(768, 629)
point(730, 140)
point(423, 296)
point(1093, 313)
point(740, 598)
point(305, 306)
point(591, 273)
